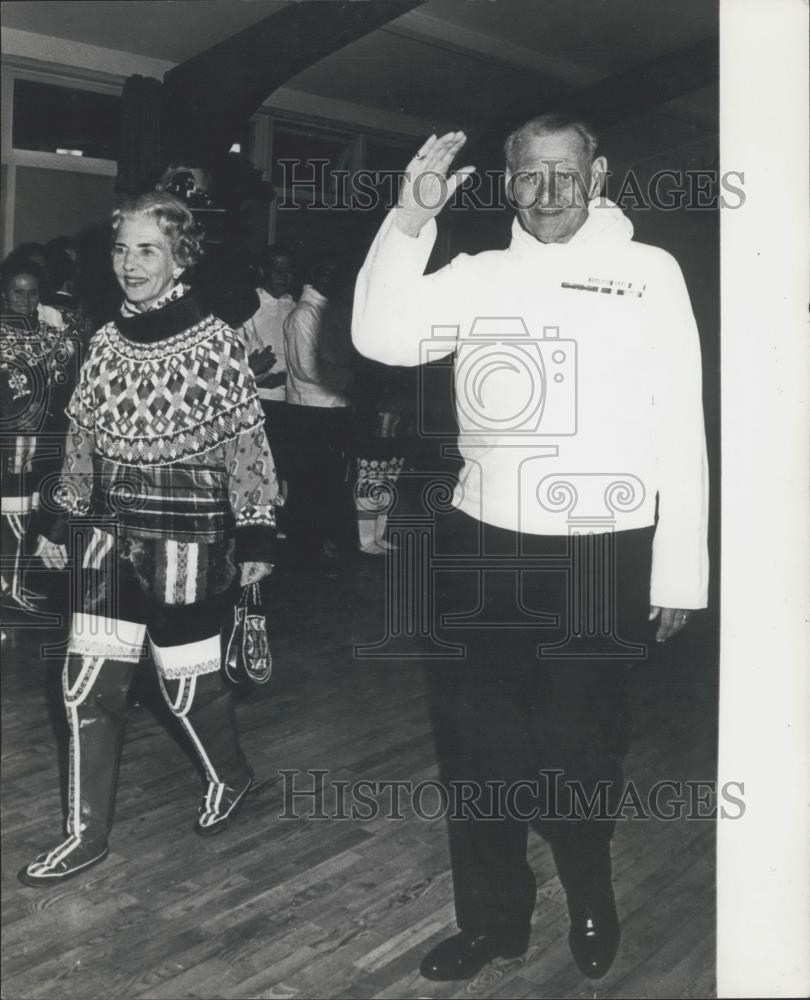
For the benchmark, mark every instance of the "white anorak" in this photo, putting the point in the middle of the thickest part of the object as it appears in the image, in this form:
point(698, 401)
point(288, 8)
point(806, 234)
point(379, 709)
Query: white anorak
point(577, 381)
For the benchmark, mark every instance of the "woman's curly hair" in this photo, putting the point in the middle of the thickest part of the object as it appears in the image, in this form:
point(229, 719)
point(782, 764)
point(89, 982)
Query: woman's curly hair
point(173, 218)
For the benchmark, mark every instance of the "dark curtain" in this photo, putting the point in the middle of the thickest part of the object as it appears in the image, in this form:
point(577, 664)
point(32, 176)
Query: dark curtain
point(140, 159)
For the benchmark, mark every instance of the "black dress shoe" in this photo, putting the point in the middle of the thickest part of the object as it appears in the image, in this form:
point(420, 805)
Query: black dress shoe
point(595, 934)
point(462, 956)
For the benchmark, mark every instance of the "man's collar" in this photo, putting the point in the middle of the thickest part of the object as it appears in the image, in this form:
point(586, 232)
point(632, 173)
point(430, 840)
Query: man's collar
point(285, 298)
point(311, 294)
point(605, 220)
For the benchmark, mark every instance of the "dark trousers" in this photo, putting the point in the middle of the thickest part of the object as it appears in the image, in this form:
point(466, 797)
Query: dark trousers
point(319, 497)
point(502, 714)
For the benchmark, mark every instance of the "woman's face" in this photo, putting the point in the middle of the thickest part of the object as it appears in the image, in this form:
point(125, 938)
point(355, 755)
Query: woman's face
point(143, 261)
point(21, 296)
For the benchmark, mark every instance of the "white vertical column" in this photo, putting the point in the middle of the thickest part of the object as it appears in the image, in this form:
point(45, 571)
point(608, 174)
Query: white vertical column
point(764, 857)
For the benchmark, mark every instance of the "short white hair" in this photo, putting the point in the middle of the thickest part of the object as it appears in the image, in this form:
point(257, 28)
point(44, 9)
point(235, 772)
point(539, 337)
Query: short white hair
point(550, 124)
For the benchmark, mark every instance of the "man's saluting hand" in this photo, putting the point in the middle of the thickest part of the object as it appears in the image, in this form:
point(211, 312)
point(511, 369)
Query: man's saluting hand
point(426, 188)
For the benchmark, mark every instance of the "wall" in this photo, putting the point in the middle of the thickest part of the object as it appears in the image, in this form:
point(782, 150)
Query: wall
point(53, 202)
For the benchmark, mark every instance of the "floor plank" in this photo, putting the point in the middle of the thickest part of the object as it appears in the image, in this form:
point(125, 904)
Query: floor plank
point(305, 907)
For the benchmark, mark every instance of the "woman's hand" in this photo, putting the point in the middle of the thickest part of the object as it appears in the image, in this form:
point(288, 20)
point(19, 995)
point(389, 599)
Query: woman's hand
point(426, 188)
point(53, 555)
point(252, 572)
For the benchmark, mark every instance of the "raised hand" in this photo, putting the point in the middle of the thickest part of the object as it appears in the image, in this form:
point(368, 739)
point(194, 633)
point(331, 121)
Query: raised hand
point(426, 188)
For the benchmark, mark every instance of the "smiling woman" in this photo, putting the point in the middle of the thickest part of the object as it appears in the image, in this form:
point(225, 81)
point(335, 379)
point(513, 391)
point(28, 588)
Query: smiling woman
point(143, 262)
point(166, 450)
point(154, 242)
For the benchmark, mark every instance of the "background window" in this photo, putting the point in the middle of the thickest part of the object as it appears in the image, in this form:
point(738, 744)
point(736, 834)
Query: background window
point(50, 203)
point(306, 146)
point(49, 118)
point(386, 156)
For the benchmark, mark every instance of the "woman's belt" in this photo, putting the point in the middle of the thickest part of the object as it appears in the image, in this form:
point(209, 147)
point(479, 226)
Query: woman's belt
point(181, 501)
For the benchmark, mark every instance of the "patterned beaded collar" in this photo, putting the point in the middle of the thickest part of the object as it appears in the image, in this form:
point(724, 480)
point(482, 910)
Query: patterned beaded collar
point(175, 292)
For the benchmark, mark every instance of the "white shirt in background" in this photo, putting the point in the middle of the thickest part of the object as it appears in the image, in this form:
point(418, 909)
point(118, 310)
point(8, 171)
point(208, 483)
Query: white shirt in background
point(319, 352)
point(264, 329)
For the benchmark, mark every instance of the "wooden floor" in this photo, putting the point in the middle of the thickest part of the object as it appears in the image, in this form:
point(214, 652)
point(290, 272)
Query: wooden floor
point(288, 908)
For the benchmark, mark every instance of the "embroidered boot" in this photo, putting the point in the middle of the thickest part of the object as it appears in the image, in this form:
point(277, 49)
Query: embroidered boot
point(204, 706)
point(367, 533)
point(379, 529)
point(95, 696)
point(375, 493)
point(12, 534)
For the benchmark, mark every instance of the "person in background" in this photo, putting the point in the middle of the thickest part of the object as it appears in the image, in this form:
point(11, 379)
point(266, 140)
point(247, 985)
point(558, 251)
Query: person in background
point(63, 271)
point(264, 339)
point(167, 455)
point(320, 375)
point(38, 352)
point(34, 252)
point(95, 285)
point(381, 413)
point(225, 283)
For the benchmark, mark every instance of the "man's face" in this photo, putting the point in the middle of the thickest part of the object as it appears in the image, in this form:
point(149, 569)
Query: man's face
point(279, 276)
point(550, 183)
point(327, 279)
point(22, 295)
